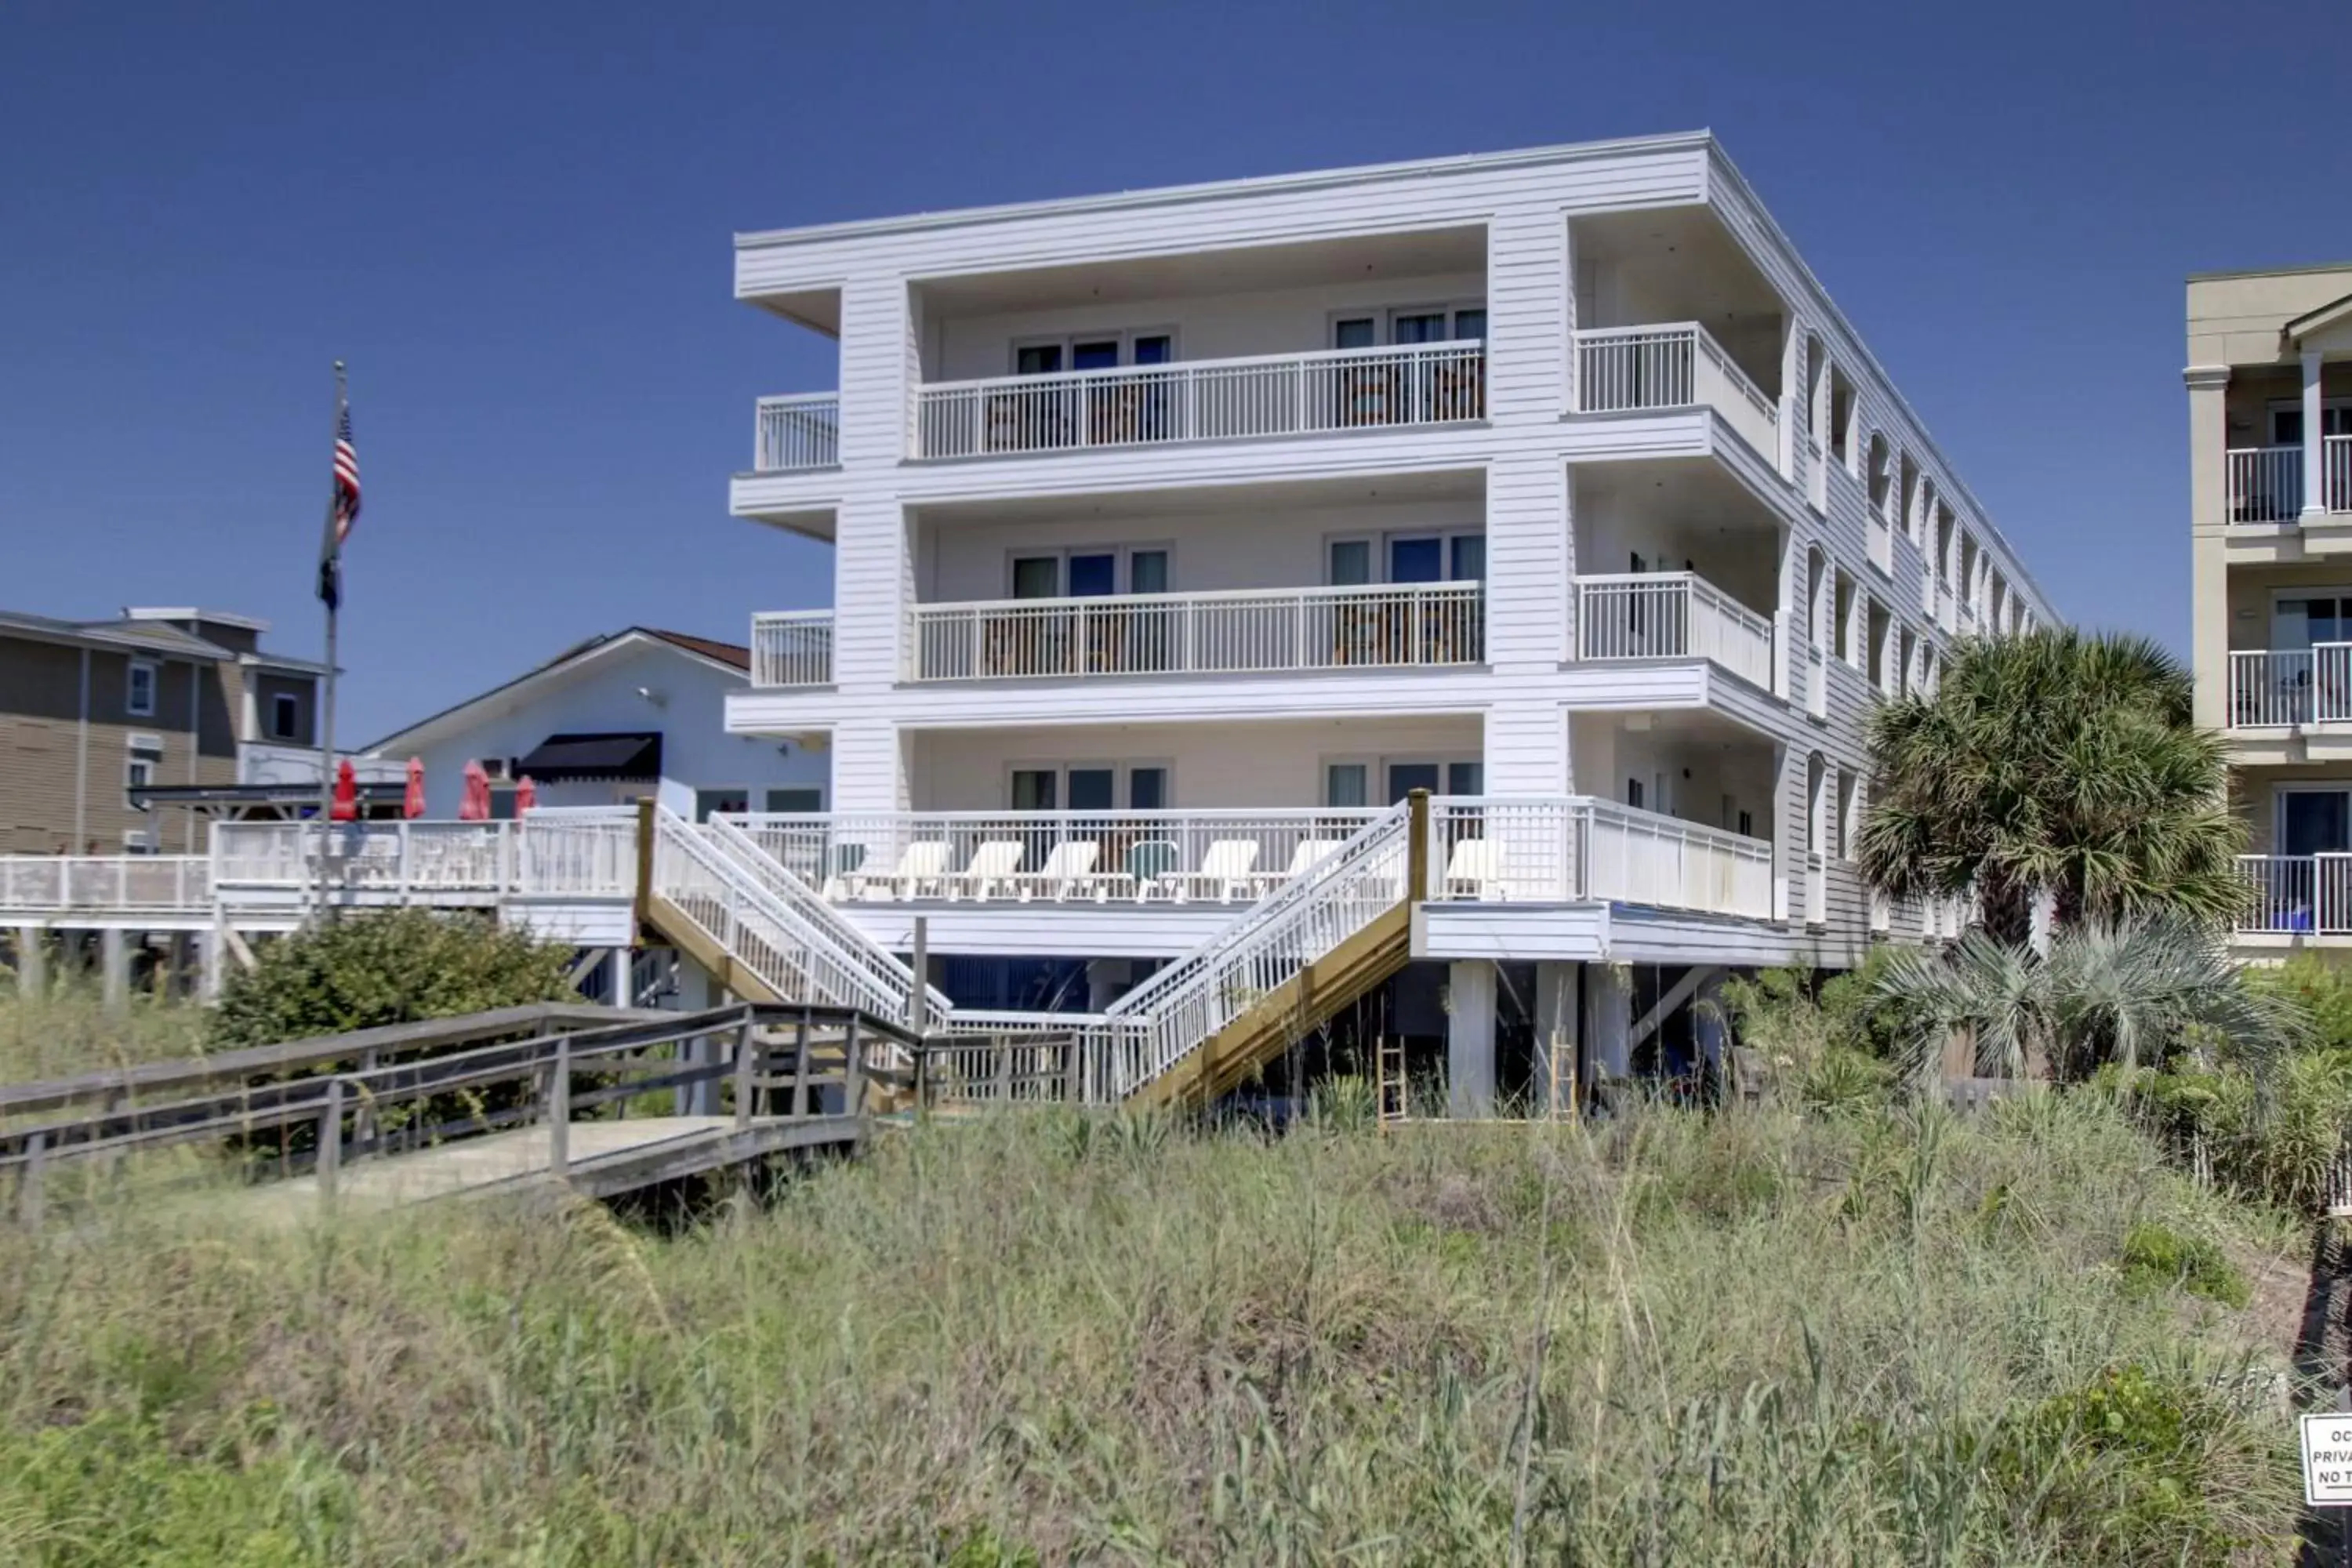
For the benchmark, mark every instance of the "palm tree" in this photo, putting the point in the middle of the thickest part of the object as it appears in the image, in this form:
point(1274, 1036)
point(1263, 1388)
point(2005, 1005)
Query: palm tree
point(2055, 762)
point(2128, 994)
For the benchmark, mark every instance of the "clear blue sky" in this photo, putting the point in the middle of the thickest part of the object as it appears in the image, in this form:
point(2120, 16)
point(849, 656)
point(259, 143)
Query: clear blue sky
point(515, 224)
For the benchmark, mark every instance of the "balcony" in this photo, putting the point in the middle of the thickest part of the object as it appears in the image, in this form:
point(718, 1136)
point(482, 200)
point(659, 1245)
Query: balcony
point(1574, 848)
point(1623, 370)
point(1203, 400)
point(2289, 688)
point(1671, 614)
point(1256, 631)
point(2265, 483)
point(2297, 895)
point(799, 433)
point(791, 648)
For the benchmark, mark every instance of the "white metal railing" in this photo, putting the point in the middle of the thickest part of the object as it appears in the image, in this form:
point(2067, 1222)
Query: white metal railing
point(160, 883)
point(1671, 614)
point(2298, 894)
point(1227, 633)
point(1153, 1026)
point(1203, 400)
point(2265, 484)
point(384, 860)
point(1066, 857)
point(791, 648)
point(802, 431)
point(2335, 473)
point(576, 853)
point(2290, 686)
point(1672, 365)
point(1553, 848)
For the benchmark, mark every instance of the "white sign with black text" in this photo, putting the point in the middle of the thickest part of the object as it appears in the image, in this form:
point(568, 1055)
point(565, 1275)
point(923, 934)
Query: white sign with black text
point(2328, 1459)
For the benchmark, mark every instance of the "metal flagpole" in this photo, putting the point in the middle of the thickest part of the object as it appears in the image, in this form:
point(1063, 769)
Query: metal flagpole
point(330, 589)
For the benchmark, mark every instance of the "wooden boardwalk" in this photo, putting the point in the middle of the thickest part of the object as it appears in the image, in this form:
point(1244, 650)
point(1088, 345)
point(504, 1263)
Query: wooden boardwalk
point(604, 1111)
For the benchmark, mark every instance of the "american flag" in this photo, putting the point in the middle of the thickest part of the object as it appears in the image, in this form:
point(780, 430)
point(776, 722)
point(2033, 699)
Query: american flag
point(343, 506)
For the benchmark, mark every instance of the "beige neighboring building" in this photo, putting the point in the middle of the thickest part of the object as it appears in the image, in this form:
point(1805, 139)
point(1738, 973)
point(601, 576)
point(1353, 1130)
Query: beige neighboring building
point(2270, 433)
point(91, 711)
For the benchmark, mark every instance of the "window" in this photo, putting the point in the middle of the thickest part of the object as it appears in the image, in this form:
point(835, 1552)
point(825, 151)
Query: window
point(2286, 420)
point(138, 697)
point(1409, 324)
point(1090, 571)
point(1090, 786)
point(795, 799)
point(285, 717)
point(1849, 812)
point(1842, 626)
point(2314, 821)
point(1347, 783)
point(707, 800)
point(1434, 557)
point(1634, 794)
point(1094, 350)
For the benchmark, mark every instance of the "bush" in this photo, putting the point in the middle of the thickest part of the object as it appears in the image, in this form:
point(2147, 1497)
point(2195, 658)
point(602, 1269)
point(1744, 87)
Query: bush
point(2156, 1258)
point(392, 968)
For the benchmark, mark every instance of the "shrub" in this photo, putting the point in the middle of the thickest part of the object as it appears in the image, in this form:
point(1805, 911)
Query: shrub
point(2157, 1257)
point(392, 968)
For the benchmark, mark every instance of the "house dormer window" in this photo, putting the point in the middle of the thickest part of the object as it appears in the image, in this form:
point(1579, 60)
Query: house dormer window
point(139, 696)
point(285, 717)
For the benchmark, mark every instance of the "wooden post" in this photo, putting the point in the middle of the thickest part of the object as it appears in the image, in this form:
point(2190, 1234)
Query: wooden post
point(1004, 1048)
point(330, 1141)
point(559, 1112)
point(645, 891)
point(28, 1181)
point(743, 1062)
point(1416, 853)
point(852, 1071)
point(800, 1064)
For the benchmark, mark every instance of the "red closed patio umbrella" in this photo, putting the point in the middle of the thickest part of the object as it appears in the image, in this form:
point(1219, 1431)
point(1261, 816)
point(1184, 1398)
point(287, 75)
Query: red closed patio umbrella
point(412, 802)
point(475, 805)
point(346, 804)
point(526, 795)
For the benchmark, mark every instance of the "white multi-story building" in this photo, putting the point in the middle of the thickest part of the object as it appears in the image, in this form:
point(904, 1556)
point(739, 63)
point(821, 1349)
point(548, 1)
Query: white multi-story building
point(1178, 533)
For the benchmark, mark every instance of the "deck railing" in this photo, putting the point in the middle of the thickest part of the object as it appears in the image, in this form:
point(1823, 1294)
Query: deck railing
point(1672, 365)
point(1227, 857)
point(1557, 848)
point(1671, 614)
point(2335, 473)
point(791, 648)
point(1203, 400)
point(802, 431)
point(2283, 687)
point(160, 883)
point(1245, 631)
point(2298, 894)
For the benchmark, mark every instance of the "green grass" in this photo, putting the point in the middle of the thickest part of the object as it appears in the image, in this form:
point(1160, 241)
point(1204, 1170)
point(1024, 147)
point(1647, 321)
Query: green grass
point(68, 1033)
point(1859, 1339)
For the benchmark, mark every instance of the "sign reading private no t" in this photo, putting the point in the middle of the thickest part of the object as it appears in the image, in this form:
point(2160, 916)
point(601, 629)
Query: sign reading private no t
point(2328, 1459)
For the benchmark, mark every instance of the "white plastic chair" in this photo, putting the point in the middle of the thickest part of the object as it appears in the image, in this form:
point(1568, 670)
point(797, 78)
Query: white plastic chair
point(922, 865)
point(1474, 870)
point(1302, 860)
point(1067, 870)
point(993, 866)
point(1225, 872)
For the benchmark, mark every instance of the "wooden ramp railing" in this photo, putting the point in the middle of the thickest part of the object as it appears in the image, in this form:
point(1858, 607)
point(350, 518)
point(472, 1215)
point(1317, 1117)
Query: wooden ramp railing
point(571, 1105)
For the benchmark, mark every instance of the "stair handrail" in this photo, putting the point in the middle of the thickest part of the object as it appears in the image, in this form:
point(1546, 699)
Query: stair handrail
point(848, 937)
point(1177, 1010)
point(826, 964)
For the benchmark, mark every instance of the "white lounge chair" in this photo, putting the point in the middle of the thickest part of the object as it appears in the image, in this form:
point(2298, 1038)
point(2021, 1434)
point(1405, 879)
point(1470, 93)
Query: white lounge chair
point(1303, 859)
point(1224, 872)
point(1474, 870)
point(992, 867)
point(1066, 871)
point(922, 869)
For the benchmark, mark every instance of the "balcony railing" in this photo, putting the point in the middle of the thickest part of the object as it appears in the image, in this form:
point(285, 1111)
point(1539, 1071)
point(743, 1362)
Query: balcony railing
point(1671, 614)
point(162, 883)
point(802, 431)
point(1203, 400)
point(1058, 857)
point(2298, 894)
point(1619, 369)
point(1247, 631)
point(1572, 848)
point(793, 648)
point(2287, 687)
point(587, 853)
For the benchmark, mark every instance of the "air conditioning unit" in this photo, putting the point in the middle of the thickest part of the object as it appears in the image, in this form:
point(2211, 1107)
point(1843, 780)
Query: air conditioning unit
point(139, 742)
point(499, 767)
point(139, 842)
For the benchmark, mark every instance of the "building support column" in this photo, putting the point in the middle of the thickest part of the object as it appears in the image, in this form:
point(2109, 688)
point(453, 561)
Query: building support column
point(1106, 979)
point(1470, 1037)
point(2315, 438)
point(1608, 1022)
point(114, 968)
point(32, 962)
point(211, 950)
point(623, 960)
point(1556, 1033)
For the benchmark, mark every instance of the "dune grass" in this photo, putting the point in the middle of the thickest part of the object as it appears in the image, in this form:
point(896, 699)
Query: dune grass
point(69, 1032)
point(1759, 1339)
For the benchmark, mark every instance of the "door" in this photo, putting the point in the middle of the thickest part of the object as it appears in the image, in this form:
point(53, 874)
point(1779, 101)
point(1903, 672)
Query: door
point(1406, 777)
point(795, 800)
point(2314, 822)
